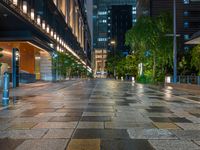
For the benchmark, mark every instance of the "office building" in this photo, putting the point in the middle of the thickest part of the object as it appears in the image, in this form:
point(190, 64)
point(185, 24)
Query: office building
point(187, 14)
point(119, 21)
point(101, 14)
point(103, 24)
point(32, 31)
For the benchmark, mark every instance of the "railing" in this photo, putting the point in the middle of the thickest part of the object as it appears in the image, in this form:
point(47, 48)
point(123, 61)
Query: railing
point(184, 79)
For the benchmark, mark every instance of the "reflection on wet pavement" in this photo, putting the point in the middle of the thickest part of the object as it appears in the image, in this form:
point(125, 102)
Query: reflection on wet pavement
point(100, 115)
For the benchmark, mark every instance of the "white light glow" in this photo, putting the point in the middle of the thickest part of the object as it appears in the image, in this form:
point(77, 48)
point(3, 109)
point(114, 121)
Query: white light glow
point(43, 25)
point(15, 2)
point(52, 32)
point(48, 29)
point(38, 20)
point(55, 36)
point(168, 79)
point(32, 14)
point(24, 7)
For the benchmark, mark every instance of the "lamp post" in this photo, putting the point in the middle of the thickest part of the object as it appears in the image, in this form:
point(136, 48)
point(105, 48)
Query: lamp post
point(175, 44)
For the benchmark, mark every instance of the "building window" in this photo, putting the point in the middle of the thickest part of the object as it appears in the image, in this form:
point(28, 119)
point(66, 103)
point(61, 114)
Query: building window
point(186, 13)
point(186, 1)
point(186, 24)
point(103, 21)
point(102, 13)
point(102, 39)
point(133, 12)
point(186, 37)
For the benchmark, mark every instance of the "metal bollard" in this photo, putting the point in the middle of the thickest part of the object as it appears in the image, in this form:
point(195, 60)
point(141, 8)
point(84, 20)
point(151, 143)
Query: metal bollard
point(5, 99)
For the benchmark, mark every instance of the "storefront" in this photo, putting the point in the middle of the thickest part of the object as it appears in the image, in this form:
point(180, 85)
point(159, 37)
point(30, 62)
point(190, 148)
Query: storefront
point(34, 63)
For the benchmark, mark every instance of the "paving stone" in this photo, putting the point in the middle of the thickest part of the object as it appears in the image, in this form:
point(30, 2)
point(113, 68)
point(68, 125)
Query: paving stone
point(96, 118)
point(84, 144)
point(9, 144)
point(64, 119)
point(187, 134)
point(161, 119)
point(98, 114)
point(46, 125)
point(126, 145)
point(166, 125)
point(31, 119)
point(173, 145)
point(127, 125)
point(43, 144)
point(181, 120)
point(90, 125)
point(101, 133)
point(189, 126)
point(23, 134)
point(59, 133)
point(50, 114)
point(150, 134)
point(22, 126)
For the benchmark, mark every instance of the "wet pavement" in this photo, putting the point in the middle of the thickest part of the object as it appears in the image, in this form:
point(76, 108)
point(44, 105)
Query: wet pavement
point(100, 115)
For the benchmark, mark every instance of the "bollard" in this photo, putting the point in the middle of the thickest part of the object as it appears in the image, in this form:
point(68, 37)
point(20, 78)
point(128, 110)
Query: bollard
point(5, 99)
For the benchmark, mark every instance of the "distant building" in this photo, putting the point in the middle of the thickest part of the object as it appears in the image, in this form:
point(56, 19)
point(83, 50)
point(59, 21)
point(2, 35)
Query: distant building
point(104, 24)
point(119, 22)
point(101, 17)
point(100, 63)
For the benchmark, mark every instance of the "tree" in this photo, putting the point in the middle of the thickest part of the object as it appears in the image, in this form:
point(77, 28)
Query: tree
point(195, 61)
point(112, 61)
point(151, 46)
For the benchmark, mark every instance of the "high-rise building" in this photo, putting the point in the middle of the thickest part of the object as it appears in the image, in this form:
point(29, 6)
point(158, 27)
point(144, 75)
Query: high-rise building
point(187, 17)
point(101, 16)
point(119, 21)
point(31, 31)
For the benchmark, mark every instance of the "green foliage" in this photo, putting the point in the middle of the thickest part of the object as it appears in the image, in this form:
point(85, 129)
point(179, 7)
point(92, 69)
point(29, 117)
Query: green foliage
point(65, 65)
point(1, 55)
point(112, 61)
point(195, 61)
point(123, 65)
point(151, 46)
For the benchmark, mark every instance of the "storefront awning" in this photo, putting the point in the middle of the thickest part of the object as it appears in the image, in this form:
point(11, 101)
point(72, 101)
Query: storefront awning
point(195, 39)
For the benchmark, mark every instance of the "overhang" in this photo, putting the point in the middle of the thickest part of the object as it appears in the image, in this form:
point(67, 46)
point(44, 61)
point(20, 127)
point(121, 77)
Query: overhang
point(195, 39)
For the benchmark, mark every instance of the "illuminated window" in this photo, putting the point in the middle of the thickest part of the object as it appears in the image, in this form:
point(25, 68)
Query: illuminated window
point(186, 13)
point(186, 24)
point(186, 37)
point(102, 13)
point(186, 1)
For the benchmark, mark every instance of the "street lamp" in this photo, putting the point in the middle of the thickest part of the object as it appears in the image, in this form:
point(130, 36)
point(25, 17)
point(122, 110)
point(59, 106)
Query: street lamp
point(175, 44)
point(113, 43)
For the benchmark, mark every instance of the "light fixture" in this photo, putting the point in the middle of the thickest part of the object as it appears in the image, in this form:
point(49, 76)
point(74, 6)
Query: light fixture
point(24, 7)
point(58, 48)
point(38, 20)
point(15, 2)
point(48, 29)
point(55, 36)
point(43, 25)
point(52, 32)
point(32, 14)
point(58, 39)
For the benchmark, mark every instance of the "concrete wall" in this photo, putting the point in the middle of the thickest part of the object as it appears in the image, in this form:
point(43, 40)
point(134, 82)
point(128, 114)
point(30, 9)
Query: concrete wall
point(45, 66)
